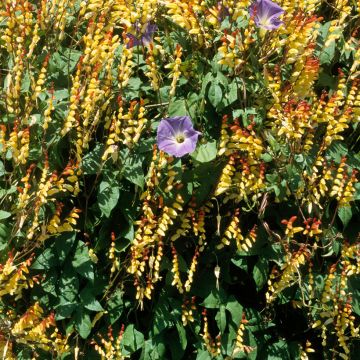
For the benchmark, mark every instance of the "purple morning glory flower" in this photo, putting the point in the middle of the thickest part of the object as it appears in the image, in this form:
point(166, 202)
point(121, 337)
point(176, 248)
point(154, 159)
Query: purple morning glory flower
point(266, 14)
point(176, 136)
point(142, 39)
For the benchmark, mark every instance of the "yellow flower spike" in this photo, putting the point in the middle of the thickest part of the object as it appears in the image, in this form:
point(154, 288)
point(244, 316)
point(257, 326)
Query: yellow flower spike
point(126, 64)
point(238, 8)
point(110, 348)
point(233, 49)
point(192, 270)
point(41, 79)
point(155, 276)
point(32, 327)
point(304, 80)
point(225, 181)
point(133, 123)
point(349, 190)
point(185, 14)
point(210, 345)
point(290, 271)
point(70, 120)
point(153, 73)
point(175, 69)
point(175, 271)
point(239, 343)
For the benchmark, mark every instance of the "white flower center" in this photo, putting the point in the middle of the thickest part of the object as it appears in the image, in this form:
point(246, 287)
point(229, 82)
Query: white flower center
point(180, 138)
point(265, 21)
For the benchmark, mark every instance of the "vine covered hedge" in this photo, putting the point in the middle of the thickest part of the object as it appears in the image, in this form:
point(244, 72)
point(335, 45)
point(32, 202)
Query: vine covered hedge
point(118, 240)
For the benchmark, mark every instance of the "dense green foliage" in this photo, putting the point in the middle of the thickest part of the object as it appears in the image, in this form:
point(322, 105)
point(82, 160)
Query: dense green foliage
point(247, 248)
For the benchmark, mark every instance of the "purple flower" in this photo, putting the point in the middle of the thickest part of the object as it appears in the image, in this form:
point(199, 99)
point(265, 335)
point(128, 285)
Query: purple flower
point(266, 14)
point(176, 136)
point(142, 39)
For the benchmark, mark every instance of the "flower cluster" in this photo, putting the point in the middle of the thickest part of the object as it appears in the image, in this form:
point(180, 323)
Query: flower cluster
point(13, 278)
point(176, 165)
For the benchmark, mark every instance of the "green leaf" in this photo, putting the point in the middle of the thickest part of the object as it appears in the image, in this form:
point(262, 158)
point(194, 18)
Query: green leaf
point(4, 214)
point(177, 108)
point(215, 299)
point(81, 255)
point(50, 283)
point(108, 196)
point(212, 301)
point(25, 83)
point(133, 87)
point(161, 322)
point(24, 354)
point(208, 78)
point(281, 350)
point(254, 343)
point(326, 80)
point(357, 192)
point(64, 61)
point(266, 157)
point(133, 170)
point(240, 262)
point(193, 102)
point(336, 152)
point(235, 309)
point(63, 245)
point(115, 306)
point(4, 238)
point(132, 339)
point(45, 260)
point(260, 273)
point(9, 191)
point(65, 310)
point(61, 94)
point(81, 261)
point(154, 349)
point(345, 215)
point(232, 93)
point(215, 94)
point(2, 169)
point(327, 54)
point(221, 318)
point(82, 323)
point(91, 162)
point(205, 152)
point(222, 79)
point(203, 355)
point(88, 300)
point(182, 335)
point(68, 286)
point(354, 289)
